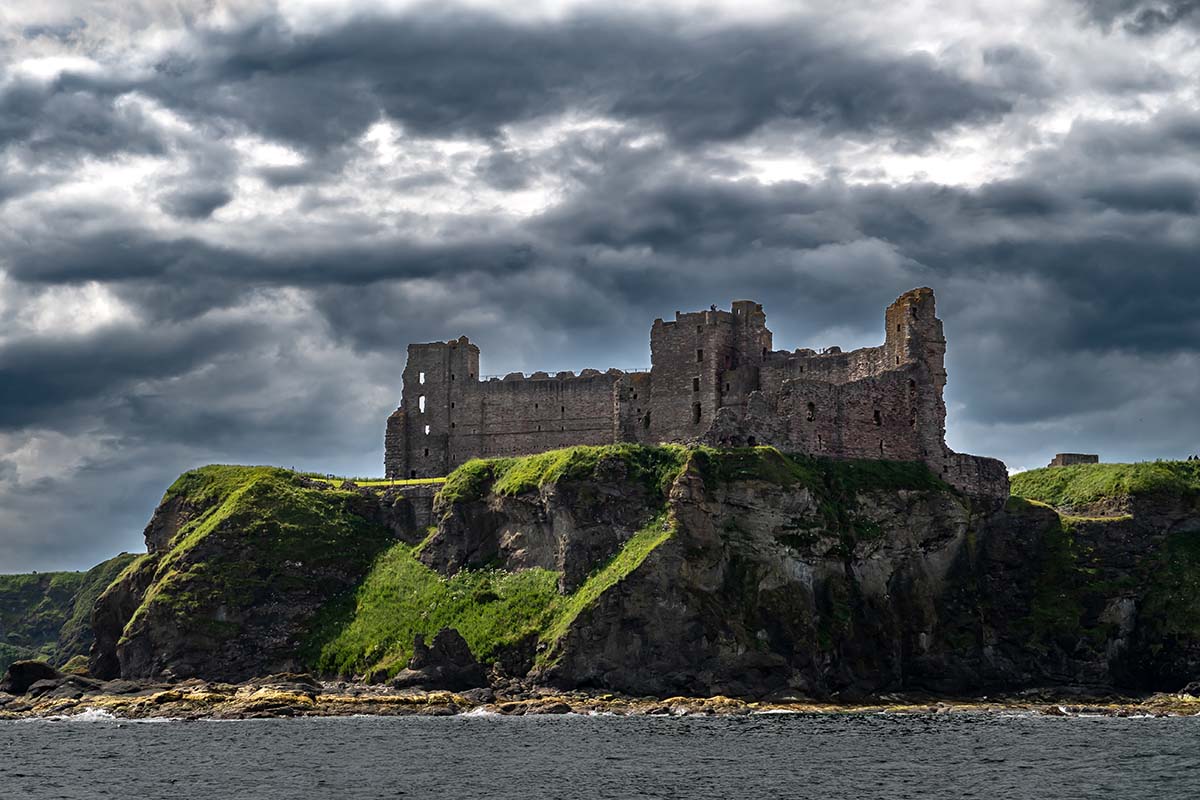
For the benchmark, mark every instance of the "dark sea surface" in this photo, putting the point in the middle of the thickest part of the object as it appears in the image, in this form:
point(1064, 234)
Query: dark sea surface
point(765, 756)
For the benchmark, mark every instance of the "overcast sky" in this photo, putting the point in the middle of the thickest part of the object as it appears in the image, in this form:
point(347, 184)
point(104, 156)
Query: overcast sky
point(221, 223)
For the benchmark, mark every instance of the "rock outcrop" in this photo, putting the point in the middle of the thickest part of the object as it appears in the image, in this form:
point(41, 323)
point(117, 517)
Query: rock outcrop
point(239, 561)
point(445, 663)
point(670, 570)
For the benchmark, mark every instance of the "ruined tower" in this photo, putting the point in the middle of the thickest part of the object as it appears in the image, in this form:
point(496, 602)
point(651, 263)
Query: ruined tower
point(714, 378)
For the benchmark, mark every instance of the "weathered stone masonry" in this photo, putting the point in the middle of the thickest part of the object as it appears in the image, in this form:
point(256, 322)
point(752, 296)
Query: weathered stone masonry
point(715, 378)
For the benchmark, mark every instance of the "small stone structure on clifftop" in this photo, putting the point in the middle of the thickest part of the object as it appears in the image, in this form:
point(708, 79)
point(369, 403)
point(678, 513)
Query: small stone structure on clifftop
point(714, 379)
point(1069, 459)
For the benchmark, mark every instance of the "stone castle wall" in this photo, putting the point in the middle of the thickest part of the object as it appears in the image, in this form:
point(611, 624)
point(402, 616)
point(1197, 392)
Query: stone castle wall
point(715, 379)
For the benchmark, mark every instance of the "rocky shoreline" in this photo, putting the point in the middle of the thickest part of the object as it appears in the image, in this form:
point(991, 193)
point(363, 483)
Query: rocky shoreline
point(289, 695)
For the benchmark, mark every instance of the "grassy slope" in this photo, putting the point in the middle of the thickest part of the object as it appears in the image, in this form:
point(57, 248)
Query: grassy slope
point(43, 612)
point(1089, 483)
point(373, 630)
point(262, 533)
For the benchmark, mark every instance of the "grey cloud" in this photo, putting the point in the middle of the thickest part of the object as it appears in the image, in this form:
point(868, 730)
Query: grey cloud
point(1143, 17)
point(197, 202)
point(443, 72)
point(66, 118)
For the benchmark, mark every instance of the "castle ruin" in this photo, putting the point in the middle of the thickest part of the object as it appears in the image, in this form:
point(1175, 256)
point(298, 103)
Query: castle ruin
point(716, 379)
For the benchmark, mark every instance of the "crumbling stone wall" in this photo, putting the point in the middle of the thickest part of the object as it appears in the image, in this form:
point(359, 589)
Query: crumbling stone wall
point(1067, 459)
point(714, 378)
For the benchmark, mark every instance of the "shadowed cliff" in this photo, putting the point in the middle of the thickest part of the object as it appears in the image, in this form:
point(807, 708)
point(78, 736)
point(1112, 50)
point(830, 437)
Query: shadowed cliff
point(670, 569)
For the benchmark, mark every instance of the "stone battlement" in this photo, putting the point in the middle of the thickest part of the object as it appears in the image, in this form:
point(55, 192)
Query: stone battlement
point(715, 378)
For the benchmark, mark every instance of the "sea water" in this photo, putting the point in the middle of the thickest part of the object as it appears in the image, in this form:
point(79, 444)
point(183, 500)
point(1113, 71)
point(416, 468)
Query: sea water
point(984, 755)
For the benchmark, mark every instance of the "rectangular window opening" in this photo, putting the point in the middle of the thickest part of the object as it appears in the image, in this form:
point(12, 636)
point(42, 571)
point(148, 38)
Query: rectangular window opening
point(699, 355)
point(421, 404)
point(695, 384)
point(421, 378)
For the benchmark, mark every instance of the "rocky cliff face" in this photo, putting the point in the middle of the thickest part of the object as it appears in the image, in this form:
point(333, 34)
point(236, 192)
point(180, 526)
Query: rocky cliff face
point(238, 562)
point(672, 570)
point(47, 615)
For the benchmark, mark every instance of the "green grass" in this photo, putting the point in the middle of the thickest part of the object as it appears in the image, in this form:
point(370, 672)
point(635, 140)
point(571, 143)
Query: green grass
point(402, 597)
point(259, 533)
point(652, 467)
point(1083, 484)
point(372, 630)
point(620, 567)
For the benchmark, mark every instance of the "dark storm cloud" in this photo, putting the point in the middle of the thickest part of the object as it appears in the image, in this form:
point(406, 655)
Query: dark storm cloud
point(1143, 17)
point(41, 379)
point(1070, 288)
point(455, 72)
point(67, 117)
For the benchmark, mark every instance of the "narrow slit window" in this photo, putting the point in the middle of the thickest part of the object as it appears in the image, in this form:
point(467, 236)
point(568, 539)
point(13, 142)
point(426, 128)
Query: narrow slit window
point(699, 355)
point(812, 412)
point(421, 404)
point(878, 418)
point(646, 421)
point(695, 413)
point(427, 452)
point(695, 384)
point(426, 430)
point(421, 378)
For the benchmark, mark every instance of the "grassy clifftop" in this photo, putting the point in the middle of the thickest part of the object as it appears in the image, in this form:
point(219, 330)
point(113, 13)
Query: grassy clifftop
point(246, 557)
point(1084, 484)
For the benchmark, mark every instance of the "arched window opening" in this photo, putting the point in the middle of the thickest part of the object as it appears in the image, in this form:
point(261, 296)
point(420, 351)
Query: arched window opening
point(421, 404)
point(696, 413)
point(812, 412)
point(421, 378)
